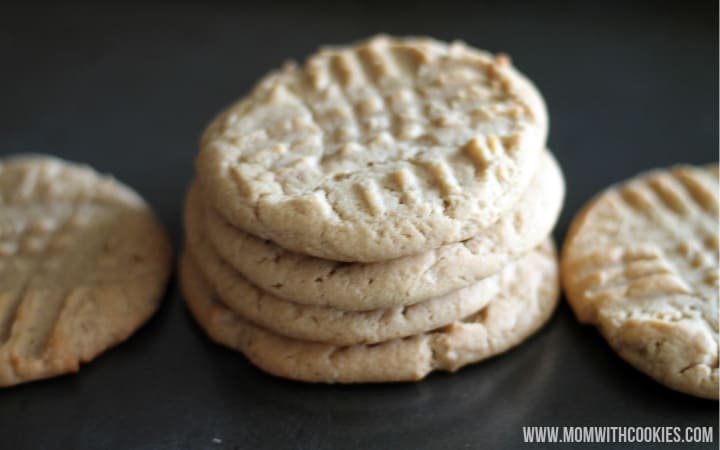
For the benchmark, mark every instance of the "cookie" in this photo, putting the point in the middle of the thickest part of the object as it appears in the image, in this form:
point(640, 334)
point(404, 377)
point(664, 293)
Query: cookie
point(382, 149)
point(83, 263)
point(641, 263)
point(402, 281)
point(525, 302)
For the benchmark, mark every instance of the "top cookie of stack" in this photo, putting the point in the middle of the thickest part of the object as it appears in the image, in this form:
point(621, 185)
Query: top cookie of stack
point(388, 148)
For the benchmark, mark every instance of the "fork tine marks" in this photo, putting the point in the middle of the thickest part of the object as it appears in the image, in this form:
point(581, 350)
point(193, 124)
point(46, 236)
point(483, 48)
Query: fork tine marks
point(669, 193)
point(371, 197)
point(478, 152)
point(407, 184)
point(699, 188)
point(636, 198)
point(9, 304)
point(346, 68)
point(35, 319)
point(442, 177)
point(379, 64)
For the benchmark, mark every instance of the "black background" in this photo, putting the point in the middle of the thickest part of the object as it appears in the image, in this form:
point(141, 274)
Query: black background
point(128, 89)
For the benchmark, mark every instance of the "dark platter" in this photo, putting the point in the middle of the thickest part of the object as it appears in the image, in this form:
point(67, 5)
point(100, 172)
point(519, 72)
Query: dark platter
point(128, 89)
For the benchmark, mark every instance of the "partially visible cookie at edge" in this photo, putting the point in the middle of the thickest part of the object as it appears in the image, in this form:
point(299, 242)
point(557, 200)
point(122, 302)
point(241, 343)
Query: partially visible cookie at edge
point(640, 262)
point(382, 149)
point(505, 322)
point(83, 263)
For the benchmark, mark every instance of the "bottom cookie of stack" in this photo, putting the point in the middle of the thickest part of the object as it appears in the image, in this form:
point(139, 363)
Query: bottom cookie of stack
point(526, 300)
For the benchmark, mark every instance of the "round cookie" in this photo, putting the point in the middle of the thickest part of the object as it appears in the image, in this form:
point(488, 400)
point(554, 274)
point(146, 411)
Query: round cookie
point(83, 263)
point(382, 149)
point(527, 299)
point(402, 281)
point(641, 263)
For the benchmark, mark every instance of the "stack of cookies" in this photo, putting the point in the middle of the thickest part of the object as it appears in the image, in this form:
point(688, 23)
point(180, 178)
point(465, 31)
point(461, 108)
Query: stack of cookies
point(378, 213)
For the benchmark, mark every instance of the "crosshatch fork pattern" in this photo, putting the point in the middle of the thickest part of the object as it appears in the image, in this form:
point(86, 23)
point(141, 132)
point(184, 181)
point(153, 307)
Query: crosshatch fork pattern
point(82, 264)
point(386, 130)
point(641, 263)
point(352, 100)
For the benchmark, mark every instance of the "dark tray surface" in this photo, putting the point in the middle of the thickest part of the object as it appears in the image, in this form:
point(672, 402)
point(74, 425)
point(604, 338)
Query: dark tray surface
point(128, 90)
